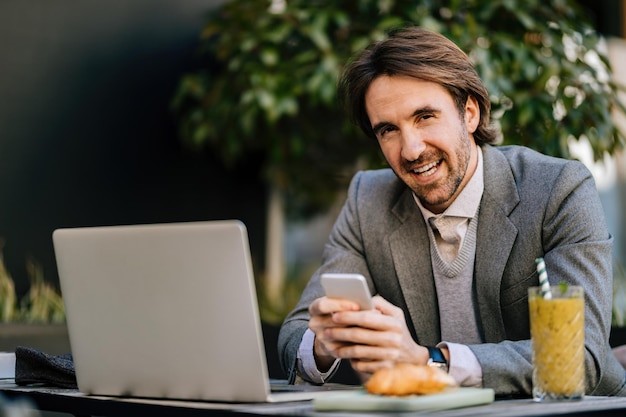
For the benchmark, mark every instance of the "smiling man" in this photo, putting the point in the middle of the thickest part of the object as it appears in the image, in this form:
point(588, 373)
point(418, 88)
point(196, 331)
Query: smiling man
point(448, 237)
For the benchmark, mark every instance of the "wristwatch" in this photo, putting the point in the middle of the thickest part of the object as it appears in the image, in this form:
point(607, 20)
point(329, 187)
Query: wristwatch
point(436, 358)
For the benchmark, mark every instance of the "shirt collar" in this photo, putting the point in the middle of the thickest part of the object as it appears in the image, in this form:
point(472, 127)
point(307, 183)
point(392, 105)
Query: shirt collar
point(467, 202)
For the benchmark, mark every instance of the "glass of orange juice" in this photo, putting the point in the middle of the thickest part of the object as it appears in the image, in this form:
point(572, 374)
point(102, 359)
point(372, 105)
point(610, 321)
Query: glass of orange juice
point(557, 330)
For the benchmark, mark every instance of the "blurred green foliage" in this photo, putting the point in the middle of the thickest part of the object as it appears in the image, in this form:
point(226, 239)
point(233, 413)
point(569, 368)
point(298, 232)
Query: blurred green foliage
point(268, 84)
point(42, 303)
point(8, 299)
point(274, 311)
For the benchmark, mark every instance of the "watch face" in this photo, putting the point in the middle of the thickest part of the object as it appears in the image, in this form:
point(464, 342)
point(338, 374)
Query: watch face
point(436, 360)
point(440, 365)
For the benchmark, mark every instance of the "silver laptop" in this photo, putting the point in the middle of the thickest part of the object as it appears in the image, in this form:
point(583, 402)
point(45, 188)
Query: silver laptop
point(165, 311)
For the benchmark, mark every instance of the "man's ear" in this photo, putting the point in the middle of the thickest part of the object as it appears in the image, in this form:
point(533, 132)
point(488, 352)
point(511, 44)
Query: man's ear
point(472, 114)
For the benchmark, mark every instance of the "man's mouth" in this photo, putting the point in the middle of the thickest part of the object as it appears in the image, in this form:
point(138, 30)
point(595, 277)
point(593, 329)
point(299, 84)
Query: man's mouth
point(427, 170)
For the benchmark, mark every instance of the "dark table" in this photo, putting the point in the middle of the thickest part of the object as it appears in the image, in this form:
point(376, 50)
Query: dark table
point(78, 404)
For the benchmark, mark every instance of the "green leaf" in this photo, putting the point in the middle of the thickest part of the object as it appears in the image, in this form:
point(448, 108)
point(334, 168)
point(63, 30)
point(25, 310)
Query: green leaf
point(269, 57)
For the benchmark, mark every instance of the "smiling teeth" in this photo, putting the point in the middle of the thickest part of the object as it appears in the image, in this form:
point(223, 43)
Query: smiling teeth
point(424, 170)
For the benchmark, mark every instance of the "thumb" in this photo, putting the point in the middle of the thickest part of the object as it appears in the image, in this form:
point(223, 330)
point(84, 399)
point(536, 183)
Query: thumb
point(385, 307)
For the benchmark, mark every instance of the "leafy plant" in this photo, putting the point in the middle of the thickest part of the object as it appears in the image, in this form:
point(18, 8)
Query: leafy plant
point(267, 86)
point(273, 310)
point(42, 303)
point(8, 299)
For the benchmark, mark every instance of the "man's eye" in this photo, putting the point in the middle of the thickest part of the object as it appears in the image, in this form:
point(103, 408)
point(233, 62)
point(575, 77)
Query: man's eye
point(385, 130)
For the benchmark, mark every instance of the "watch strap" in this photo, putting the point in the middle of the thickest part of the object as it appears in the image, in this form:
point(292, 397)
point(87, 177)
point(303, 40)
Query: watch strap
point(436, 358)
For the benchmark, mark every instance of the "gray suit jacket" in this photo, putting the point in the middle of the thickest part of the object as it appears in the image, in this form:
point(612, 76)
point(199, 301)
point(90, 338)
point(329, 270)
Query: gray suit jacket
point(532, 206)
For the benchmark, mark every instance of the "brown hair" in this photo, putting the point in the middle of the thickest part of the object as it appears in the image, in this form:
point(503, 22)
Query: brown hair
point(421, 54)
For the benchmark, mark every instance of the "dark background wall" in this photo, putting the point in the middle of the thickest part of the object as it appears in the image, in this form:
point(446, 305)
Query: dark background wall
point(86, 134)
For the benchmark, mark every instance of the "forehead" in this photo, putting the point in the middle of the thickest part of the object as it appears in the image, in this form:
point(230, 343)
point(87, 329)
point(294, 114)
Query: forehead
point(388, 93)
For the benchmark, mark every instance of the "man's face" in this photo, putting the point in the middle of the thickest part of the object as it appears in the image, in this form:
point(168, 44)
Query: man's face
point(424, 139)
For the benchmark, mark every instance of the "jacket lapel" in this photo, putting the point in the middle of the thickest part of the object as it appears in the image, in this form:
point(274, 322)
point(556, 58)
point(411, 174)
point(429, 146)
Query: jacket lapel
point(410, 249)
point(496, 235)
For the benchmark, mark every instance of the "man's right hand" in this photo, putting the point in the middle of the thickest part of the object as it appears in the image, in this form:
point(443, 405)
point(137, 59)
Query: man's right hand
point(321, 311)
point(369, 339)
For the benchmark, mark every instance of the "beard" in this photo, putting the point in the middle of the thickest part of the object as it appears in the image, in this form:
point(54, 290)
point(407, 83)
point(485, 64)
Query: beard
point(441, 192)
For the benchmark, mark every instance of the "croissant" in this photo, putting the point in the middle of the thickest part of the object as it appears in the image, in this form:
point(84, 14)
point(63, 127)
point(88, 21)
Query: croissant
point(409, 379)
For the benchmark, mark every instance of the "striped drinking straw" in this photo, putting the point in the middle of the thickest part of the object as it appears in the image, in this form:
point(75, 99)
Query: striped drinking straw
point(543, 279)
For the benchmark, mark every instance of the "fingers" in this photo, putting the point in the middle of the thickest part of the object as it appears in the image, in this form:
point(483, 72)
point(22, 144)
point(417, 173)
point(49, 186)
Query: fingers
point(321, 320)
point(369, 359)
point(368, 319)
point(365, 367)
point(324, 312)
point(372, 336)
point(370, 339)
point(325, 305)
point(386, 308)
point(356, 342)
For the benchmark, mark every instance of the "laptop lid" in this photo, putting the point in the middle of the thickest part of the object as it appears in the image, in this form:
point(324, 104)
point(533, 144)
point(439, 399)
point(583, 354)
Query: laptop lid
point(164, 310)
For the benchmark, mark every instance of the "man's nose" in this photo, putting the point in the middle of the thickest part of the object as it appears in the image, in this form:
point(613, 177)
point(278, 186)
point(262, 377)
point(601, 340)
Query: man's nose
point(412, 145)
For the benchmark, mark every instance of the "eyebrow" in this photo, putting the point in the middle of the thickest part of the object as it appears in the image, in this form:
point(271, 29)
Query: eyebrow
point(418, 112)
point(379, 126)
